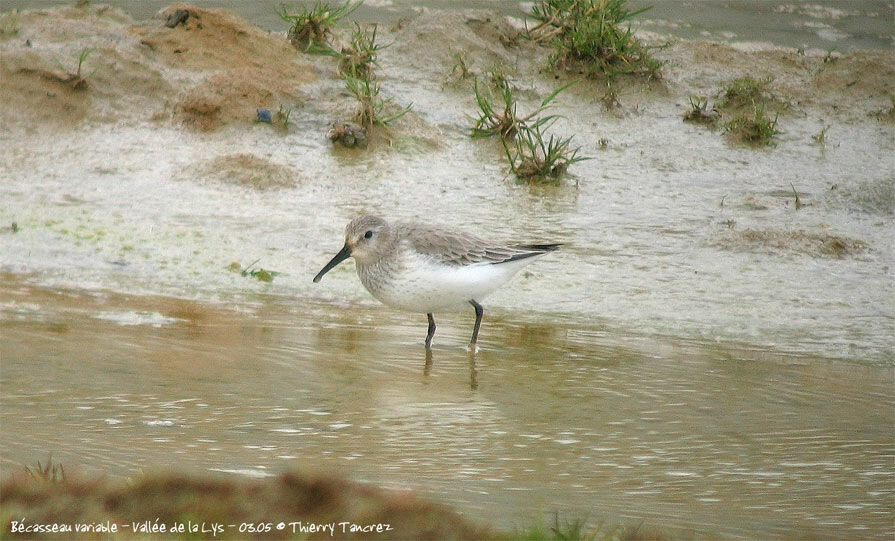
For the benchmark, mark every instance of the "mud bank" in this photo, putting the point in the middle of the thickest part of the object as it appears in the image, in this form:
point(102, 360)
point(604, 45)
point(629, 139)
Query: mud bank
point(211, 69)
point(288, 507)
point(215, 68)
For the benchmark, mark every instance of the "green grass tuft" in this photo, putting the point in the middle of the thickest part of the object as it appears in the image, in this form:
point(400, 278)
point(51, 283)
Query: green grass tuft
point(358, 58)
point(461, 66)
point(830, 57)
point(577, 530)
point(310, 28)
point(78, 80)
point(356, 62)
point(262, 275)
point(756, 130)
point(48, 472)
point(744, 91)
point(502, 118)
point(282, 116)
point(535, 159)
point(745, 101)
point(590, 36)
point(371, 108)
point(699, 113)
point(821, 137)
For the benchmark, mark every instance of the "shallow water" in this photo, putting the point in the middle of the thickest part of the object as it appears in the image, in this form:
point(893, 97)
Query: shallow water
point(660, 256)
point(675, 362)
point(549, 417)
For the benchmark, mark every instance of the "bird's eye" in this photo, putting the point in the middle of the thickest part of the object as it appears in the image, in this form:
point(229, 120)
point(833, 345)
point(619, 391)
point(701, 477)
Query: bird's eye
point(368, 234)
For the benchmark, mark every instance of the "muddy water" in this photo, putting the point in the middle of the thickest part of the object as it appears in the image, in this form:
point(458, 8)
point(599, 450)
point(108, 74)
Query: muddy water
point(669, 254)
point(701, 354)
point(720, 441)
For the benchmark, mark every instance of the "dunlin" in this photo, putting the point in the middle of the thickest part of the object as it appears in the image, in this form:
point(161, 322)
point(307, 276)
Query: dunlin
point(425, 269)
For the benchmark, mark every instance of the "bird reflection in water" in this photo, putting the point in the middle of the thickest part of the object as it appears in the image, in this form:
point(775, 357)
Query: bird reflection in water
point(473, 373)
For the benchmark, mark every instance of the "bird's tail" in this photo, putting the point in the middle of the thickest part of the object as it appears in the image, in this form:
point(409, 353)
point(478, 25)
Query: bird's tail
point(539, 247)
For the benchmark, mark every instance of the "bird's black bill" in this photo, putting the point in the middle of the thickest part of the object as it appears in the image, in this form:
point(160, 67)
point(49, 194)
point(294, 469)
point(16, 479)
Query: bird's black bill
point(343, 254)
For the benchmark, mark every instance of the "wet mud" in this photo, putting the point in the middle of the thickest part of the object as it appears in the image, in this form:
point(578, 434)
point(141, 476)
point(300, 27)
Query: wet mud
point(715, 334)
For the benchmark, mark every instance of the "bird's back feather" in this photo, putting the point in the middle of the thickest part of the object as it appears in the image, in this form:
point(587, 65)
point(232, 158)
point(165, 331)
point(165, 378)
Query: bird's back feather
point(458, 249)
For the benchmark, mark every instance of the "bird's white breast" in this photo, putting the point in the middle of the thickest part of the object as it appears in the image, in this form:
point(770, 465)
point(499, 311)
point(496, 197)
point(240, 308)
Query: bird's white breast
point(423, 284)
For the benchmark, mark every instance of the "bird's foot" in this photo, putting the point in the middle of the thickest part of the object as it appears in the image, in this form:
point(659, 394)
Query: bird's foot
point(473, 348)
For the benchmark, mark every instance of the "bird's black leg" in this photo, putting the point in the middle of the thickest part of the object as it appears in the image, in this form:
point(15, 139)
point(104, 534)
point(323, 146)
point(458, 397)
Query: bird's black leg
point(478, 323)
point(431, 331)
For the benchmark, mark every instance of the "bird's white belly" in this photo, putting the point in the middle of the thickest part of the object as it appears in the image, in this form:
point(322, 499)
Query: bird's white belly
point(426, 286)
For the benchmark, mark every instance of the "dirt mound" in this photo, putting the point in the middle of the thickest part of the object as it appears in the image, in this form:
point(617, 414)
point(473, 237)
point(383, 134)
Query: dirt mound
point(252, 68)
point(36, 91)
point(41, 80)
point(211, 39)
point(854, 85)
point(704, 67)
point(209, 69)
point(862, 81)
point(870, 72)
point(432, 41)
point(248, 170)
point(231, 96)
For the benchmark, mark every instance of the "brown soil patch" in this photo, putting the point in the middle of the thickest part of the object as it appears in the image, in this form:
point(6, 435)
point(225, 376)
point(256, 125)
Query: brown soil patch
point(494, 28)
point(249, 170)
point(822, 245)
point(855, 85)
point(860, 74)
point(35, 91)
point(233, 95)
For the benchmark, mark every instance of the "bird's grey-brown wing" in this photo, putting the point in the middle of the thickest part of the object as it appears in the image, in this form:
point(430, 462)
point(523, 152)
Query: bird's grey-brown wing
point(459, 249)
